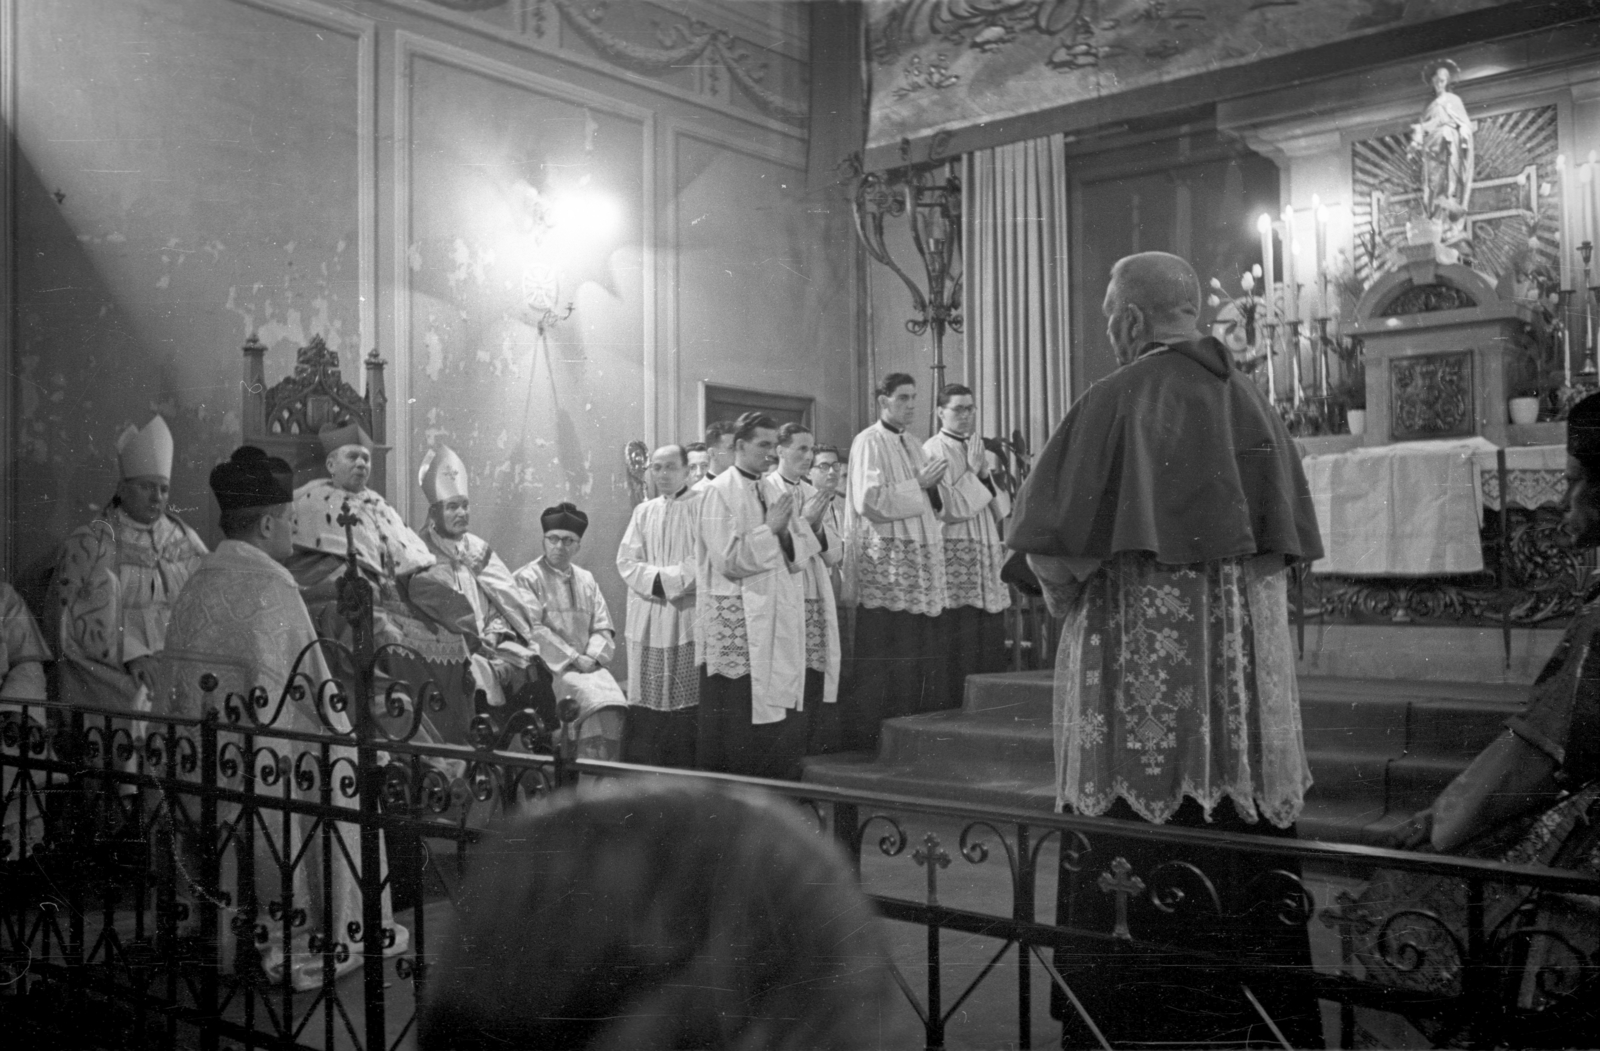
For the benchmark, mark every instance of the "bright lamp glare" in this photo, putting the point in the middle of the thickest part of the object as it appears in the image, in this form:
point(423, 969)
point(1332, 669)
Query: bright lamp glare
point(586, 214)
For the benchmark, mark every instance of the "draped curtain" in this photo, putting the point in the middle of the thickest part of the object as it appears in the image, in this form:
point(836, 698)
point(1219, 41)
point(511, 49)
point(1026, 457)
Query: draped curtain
point(1015, 216)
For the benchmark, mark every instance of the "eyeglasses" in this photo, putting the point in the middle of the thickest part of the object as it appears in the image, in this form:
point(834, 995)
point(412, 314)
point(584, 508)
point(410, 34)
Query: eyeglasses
point(564, 541)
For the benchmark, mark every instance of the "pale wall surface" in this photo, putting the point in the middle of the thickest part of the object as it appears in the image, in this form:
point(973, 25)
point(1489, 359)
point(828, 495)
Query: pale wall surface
point(193, 171)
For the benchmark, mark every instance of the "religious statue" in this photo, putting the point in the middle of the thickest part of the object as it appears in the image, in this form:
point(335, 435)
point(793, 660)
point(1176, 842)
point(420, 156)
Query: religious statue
point(1443, 140)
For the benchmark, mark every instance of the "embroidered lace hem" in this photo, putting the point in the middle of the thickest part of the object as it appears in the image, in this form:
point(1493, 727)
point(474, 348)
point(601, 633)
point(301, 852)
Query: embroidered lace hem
point(898, 573)
point(668, 680)
point(724, 646)
point(972, 574)
point(816, 636)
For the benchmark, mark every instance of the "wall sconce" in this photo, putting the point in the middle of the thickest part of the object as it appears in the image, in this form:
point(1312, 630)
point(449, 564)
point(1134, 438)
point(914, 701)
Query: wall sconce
point(541, 298)
point(929, 196)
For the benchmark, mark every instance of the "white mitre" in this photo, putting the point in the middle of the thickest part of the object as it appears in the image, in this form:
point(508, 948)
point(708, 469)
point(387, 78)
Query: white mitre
point(443, 475)
point(146, 453)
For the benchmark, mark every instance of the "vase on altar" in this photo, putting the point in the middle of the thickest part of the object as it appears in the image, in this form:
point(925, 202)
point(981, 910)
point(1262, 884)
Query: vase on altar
point(1356, 420)
point(1524, 410)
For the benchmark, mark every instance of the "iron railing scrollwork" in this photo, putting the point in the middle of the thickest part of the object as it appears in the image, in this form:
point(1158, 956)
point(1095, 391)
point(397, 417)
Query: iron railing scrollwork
point(152, 865)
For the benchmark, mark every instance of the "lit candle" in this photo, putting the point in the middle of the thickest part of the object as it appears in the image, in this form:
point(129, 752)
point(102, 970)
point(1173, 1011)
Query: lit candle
point(1264, 228)
point(1564, 233)
point(1291, 283)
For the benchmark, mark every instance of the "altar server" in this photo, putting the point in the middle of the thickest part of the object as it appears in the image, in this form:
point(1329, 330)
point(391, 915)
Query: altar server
point(573, 633)
point(1161, 519)
point(717, 451)
point(657, 561)
point(972, 510)
point(812, 513)
point(240, 623)
point(493, 612)
point(751, 642)
point(117, 578)
point(894, 565)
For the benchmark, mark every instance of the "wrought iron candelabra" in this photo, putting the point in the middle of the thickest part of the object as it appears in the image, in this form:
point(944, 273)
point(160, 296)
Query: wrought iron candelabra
point(928, 196)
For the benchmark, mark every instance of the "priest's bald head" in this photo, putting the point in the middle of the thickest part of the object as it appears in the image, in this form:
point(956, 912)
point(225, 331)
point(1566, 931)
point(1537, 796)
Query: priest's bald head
point(1153, 297)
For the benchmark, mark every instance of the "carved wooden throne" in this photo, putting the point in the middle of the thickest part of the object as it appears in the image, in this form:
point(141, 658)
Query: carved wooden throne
point(285, 418)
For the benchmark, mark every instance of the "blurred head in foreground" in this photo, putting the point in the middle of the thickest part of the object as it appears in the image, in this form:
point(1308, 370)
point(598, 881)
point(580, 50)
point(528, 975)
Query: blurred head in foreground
point(651, 915)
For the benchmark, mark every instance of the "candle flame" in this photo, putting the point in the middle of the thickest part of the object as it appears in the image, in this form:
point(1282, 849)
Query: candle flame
point(1264, 222)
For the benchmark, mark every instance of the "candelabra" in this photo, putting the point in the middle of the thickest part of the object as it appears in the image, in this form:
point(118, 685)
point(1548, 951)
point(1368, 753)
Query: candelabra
point(929, 197)
point(1590, 291)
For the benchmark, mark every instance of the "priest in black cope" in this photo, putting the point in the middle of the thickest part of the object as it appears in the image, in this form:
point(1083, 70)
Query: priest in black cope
point(1160, 519)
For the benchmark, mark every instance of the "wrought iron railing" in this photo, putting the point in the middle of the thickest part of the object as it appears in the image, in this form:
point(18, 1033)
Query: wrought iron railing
point(151, 865)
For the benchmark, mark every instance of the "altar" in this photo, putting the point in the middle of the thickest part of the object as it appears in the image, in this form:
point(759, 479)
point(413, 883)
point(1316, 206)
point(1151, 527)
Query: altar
point(1448, 532)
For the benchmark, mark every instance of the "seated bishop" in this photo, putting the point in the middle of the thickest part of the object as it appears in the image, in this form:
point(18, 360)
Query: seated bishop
point(117, 578)
point(573, 632)
point(490, 611)
point(388, 554)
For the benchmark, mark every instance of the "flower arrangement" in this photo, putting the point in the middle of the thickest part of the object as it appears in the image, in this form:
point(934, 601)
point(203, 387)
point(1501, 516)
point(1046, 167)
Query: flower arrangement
point(1238, 320)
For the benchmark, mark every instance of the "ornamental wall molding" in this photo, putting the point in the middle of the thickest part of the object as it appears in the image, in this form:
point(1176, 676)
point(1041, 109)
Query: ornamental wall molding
point(712, 50)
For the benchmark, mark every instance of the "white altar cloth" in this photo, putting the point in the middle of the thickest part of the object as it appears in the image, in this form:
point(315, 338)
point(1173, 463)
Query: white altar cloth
point(1408, 509)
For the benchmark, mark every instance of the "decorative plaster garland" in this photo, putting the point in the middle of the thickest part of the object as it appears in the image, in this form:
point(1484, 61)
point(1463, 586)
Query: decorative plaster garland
point(681, 46)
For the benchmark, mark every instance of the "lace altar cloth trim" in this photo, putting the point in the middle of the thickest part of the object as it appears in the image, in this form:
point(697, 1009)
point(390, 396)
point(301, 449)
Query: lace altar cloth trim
point(1530, 489)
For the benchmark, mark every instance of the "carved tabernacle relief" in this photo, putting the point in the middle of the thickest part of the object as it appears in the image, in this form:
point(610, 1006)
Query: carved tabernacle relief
point(1426, 299)
point(1431, 396)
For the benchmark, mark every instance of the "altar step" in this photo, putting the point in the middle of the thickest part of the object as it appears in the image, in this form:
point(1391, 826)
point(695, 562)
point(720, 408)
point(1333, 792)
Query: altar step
point(1379, 748)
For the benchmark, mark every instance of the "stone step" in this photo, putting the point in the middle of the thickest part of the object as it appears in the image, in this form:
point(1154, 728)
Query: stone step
point(1379, 749)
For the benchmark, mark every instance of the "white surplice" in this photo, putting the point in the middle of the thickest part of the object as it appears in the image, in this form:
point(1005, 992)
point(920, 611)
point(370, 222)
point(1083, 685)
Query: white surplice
point(240, 618)
point(570, 619)
point(973, 551)
point(894, 542)
point(752, 606)
point(658, 549)
point(822, 613)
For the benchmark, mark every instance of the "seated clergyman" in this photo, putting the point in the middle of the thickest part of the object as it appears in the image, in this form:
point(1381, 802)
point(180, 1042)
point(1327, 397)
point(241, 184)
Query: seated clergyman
point(240, 621)
point(117, 577)
point(1532, 797)
point(493, 612)
point(573, 632)
point(388, 555)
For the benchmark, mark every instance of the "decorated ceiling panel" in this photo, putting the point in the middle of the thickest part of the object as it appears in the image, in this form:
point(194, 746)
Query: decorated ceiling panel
point(939, 66)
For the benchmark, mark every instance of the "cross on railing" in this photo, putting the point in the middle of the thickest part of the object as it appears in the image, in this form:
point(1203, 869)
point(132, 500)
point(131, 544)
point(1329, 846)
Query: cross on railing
point(1123, 884)
point(933, 857)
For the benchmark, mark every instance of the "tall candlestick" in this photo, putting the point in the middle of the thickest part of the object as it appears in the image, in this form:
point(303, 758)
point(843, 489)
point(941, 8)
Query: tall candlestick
point(1264, 227)
point(1320, 246)
point(1586, 201)
point(1564, 233)
point(1591, 233)
point(1291, 283)
point(1320, 357)
point(1291, 340)
point(1271, 332)
point(1564, 318)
